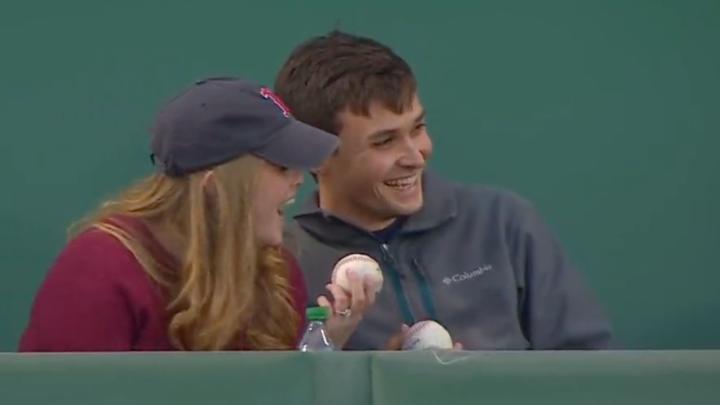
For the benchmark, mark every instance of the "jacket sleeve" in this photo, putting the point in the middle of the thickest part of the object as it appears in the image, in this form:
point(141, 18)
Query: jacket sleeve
point(79, 307)
point(558, 310)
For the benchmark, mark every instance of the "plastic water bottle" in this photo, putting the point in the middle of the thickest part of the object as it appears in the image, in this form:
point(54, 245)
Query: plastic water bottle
point(316, 338)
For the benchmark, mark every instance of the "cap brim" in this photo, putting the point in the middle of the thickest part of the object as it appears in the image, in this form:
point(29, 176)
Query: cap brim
point(299, 146)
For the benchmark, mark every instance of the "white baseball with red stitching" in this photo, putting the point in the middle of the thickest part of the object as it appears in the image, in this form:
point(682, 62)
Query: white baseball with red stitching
point(427, 335)
point(360, 265)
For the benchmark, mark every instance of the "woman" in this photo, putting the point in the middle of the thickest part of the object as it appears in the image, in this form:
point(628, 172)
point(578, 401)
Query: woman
point(190, 258)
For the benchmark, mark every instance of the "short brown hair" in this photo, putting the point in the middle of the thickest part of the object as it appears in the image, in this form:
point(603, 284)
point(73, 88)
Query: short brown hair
point(337, 71)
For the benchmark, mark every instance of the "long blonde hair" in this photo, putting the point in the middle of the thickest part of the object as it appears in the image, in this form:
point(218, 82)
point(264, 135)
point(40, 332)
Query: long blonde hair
point(228, 290)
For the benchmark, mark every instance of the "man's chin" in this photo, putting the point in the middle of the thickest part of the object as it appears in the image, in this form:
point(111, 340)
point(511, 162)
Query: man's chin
point(406, 209)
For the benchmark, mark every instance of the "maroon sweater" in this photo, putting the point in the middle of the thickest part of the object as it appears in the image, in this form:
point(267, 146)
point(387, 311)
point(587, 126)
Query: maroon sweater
point(97, 297)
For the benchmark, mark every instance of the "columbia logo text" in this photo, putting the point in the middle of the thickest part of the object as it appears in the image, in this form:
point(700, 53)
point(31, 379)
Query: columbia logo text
point(464, 276)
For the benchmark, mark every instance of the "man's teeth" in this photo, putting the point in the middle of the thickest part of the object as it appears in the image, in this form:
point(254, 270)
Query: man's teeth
point(403, 183)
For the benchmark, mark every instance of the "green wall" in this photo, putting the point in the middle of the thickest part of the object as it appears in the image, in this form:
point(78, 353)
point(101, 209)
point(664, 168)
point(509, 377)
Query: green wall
point(605, 114)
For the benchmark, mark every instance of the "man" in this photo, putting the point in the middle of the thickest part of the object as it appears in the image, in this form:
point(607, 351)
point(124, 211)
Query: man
point(478, 260)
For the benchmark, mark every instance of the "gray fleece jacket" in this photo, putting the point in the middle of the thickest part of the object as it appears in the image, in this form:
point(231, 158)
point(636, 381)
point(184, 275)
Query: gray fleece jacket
point(478, 260)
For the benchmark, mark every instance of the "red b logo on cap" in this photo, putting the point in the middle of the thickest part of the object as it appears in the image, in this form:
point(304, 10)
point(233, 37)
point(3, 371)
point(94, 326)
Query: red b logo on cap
point(270, 95)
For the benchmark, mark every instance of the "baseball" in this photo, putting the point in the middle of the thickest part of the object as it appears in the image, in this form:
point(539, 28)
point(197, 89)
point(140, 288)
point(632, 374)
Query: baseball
point(427, 335)
point(360, 265)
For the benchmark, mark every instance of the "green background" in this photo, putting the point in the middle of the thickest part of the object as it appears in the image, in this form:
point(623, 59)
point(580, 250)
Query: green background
point(605, 114)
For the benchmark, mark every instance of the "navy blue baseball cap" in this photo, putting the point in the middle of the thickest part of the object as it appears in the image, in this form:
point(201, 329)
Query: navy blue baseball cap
point(222, 118)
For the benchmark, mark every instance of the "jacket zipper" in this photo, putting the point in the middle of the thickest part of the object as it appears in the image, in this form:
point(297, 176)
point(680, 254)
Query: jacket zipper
point(389, 264)
point(425, 294)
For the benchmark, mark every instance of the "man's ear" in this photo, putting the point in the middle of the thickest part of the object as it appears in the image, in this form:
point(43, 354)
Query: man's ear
point(323, 169)
point(325, 166)
point(318, 170)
